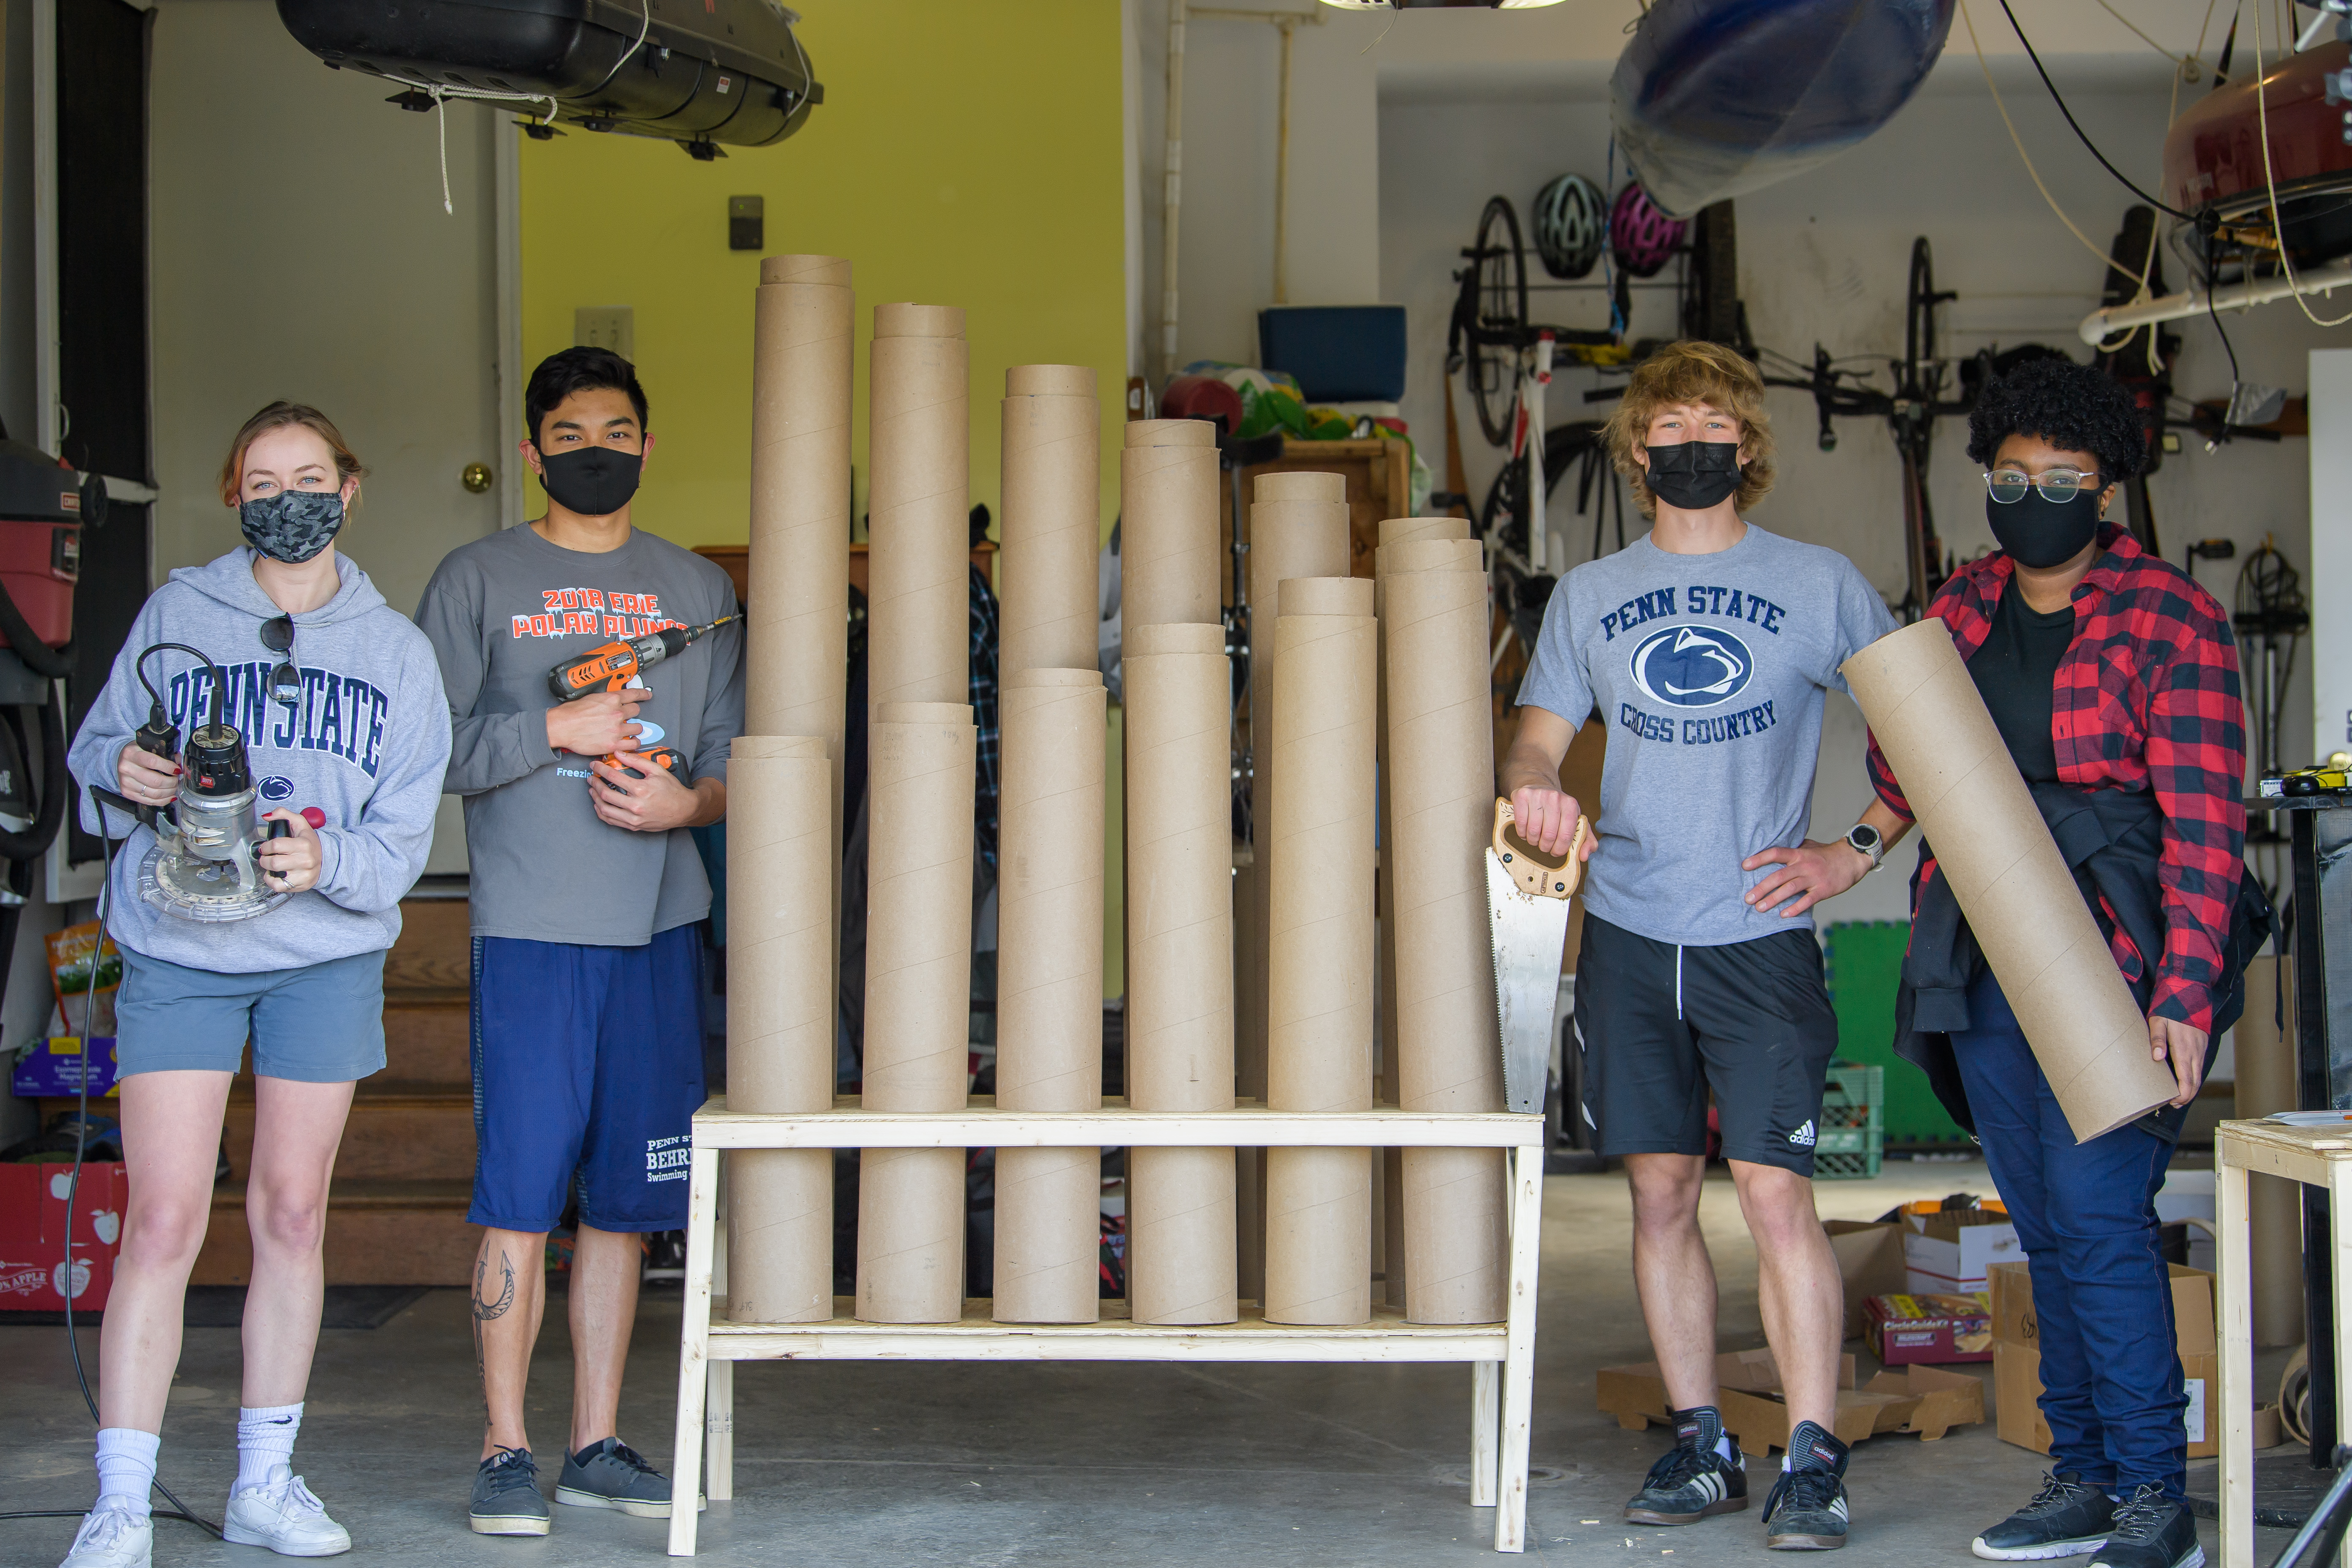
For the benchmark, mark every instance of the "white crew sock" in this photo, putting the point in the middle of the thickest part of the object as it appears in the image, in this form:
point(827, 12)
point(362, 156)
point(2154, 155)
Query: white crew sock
point(126, 1468)
point(265, 1443)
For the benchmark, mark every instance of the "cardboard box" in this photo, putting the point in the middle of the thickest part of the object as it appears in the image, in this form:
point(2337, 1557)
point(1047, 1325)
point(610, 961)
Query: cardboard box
point(1870, 1263)
point(1943, 1399)
point(1902, 1329)
point(33, 1248)
point(1946, 1252)
point(1753, 1409)
point(2011, 1289)
point(54, 1066)
point(2017, 1364)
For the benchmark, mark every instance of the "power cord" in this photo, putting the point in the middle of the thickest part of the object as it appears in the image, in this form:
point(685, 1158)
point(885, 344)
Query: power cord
point(2079, 132)
point(178, 1510)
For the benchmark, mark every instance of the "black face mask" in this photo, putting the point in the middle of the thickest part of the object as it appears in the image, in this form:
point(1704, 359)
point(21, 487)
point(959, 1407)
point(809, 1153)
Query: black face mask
point(2040, 532)
point(1694, 475)
point(291, 526)
point(594, 481)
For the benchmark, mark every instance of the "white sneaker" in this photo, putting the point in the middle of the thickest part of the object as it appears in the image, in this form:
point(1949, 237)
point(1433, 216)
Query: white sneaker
point(284, 1516)
point(112, 1537)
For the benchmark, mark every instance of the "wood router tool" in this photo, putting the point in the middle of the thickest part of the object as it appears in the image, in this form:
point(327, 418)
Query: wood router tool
point(1527, 912)
point(610, 667)
point(201, 863)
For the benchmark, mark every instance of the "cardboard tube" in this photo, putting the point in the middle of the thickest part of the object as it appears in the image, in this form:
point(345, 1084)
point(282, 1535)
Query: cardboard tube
point(795, 615)
point(1180, 1019)
point(1175, 636)
point(1168, 553)
point(1320, 952)
point(1050, 897)
point(781, 1057)
point(918, 558)
point(1440, 798)
point(1049, 1233)
point(910, 1203)
point(1053, 459)
point(1180, 1235)
point(1348, 596)
point(1170, 432)
point(1428, 555)
point(2028, 915)
point(2265, 1084)
point(1301, 485)
point(833, 270)
point(1403, 530)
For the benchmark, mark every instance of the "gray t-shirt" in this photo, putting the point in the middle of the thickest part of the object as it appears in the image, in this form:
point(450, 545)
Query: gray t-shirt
point(503, 611)
point(1710, 672)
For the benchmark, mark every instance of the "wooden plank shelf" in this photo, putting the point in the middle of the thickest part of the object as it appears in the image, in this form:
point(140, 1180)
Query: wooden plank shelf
point(1501, 1355)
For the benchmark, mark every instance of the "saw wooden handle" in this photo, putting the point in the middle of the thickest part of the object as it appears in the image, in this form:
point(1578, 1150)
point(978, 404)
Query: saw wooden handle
point(1529, 869)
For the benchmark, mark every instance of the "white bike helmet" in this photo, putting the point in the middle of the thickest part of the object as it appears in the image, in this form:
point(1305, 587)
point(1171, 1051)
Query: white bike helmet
point(1571, 219)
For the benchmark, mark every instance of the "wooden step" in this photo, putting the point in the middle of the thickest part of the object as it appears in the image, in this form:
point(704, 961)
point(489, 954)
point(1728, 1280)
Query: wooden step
point(378, 1232)
point(435, 947)
point(397, 1131)
point(424, 1036)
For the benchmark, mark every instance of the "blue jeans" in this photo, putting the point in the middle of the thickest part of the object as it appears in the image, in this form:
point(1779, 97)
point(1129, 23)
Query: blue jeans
point(2085, 1216)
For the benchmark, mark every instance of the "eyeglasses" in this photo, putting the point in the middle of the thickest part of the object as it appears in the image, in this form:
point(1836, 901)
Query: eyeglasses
point(286, 680)
point(2008, 486)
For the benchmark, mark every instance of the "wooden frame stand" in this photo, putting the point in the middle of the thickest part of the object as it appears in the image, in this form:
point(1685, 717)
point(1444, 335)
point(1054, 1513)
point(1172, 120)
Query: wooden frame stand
point(2315, 1156)
point(1502, 1355)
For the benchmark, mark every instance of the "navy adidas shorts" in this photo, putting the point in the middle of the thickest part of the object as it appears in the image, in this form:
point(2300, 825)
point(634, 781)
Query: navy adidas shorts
point(1661, 1025)
point(587, 1074)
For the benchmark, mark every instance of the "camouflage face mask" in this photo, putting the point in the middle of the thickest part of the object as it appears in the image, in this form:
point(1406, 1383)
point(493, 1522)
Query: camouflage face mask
point(292, 525)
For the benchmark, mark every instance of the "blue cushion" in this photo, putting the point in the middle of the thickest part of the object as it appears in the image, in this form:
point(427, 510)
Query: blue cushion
point(1340, 354)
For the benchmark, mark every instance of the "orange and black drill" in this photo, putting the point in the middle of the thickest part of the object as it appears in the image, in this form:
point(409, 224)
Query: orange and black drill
point(612, 666)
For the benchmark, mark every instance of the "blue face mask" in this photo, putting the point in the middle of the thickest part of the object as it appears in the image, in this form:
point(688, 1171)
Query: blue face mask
point(292, 526)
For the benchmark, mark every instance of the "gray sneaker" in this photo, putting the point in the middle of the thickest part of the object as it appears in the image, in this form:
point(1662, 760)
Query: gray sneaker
point(507, 1500)
point(614, 1474)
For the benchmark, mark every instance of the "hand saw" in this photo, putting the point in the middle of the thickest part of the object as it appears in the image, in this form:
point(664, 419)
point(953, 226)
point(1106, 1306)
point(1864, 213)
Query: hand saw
point(1527, 909)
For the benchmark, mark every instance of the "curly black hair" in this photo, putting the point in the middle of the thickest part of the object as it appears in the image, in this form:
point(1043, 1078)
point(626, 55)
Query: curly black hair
point(2072, 407)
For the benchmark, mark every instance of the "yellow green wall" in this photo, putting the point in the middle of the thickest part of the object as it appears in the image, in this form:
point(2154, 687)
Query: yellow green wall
point(964, 155)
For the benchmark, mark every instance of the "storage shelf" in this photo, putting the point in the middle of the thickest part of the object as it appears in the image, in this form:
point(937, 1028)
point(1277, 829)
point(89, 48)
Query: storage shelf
point(980, 1125)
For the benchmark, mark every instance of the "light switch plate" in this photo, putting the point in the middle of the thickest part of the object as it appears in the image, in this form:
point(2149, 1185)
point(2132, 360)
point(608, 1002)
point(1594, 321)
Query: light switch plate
point(613, 327)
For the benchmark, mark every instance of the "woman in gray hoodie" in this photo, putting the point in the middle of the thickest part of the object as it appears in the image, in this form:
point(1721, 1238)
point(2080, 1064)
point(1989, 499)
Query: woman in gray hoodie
point(340, 705)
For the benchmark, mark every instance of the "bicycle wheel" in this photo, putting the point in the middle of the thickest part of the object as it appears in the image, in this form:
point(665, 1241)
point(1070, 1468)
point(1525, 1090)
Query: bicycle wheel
point(1493, 368)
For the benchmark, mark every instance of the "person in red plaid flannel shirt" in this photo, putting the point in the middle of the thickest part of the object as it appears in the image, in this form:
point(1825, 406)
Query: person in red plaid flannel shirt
point(2114, 680)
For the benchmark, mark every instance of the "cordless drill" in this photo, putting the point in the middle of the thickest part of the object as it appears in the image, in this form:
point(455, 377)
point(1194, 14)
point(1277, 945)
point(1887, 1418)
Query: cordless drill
point(612, 666)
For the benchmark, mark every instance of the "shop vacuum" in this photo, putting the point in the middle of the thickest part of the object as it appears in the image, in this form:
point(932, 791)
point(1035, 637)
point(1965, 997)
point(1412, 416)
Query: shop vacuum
point(697, 72)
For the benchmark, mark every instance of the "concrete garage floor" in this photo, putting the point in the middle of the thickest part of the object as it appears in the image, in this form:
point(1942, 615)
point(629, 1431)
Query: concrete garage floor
point(993, 1465)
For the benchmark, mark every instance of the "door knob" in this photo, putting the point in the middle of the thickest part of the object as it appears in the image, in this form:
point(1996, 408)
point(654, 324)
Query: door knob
point(477, 477)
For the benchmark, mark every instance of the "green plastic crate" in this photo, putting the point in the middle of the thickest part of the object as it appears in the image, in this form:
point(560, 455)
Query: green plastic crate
point(1850, 1141)
point(1864, 961)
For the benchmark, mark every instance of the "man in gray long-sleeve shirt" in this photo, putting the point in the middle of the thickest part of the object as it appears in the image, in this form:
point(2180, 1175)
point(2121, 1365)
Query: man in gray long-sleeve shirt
point(587, 983)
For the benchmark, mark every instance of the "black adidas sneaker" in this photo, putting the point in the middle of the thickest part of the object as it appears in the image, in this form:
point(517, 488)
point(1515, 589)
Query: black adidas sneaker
point(1806, 1509)
point(1694, 1481)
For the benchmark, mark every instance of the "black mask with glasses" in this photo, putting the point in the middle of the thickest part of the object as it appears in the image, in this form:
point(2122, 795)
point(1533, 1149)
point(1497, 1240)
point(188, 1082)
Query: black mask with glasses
point(286, 680)
point(2008, 486)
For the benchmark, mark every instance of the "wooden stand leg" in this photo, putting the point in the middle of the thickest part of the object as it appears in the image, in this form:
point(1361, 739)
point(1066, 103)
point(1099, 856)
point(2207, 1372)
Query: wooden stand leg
point(2340, 1220)
point(1485, 1415)
point(1519, 1366)
point(718, 1432)
point(2235, 1396)
point(693, 1351)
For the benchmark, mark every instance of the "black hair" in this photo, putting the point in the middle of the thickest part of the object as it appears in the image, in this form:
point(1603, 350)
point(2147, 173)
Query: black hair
point(559, 375)
point(2075, 407)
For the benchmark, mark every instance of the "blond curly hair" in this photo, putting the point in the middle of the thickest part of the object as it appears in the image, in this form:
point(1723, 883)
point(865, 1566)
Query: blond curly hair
point(1688, 372)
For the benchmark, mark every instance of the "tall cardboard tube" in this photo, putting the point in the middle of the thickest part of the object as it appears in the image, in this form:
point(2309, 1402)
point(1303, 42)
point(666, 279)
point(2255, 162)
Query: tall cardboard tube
point(780, 935)
point(1049, 990)
point(1439, 801)
point(1169, 555)
point(2021, 904)
point(917, 620)
point(1404, 529)
point(796, 647)
point(1321, 952)
point(917, 1006)
point(1301, 485)
point(1053, 459)
point(834, 270)
point(2265, 1082)
point(1181, 1239)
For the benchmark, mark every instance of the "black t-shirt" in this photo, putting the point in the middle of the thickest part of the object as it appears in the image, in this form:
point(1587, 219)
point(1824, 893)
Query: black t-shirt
point(2014, 670)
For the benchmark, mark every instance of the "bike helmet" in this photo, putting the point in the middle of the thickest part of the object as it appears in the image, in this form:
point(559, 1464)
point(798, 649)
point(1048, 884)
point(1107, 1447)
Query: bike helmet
point(1571, 222)
point(1640, 237)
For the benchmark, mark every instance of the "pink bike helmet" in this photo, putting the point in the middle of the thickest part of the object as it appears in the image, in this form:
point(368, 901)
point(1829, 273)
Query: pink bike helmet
point(1642, 238)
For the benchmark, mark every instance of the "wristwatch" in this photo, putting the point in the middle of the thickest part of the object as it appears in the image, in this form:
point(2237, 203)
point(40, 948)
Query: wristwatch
point(1862, 837)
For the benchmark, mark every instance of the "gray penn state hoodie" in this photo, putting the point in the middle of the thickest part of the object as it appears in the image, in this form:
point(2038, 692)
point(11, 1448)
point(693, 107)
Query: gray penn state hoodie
point(367, 744)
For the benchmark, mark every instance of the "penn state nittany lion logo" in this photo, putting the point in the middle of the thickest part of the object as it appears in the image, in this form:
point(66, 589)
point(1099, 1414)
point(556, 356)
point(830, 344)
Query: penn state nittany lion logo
point(1692, 667)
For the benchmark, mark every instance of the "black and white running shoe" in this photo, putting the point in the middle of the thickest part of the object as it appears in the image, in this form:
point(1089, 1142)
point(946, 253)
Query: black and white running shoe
point(1694, 1481)
point(2065, 1519)
point(1806, 1509)
point(2151, 1531)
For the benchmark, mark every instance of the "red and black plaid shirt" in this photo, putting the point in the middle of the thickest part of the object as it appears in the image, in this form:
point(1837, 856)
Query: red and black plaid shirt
point(2146, 699)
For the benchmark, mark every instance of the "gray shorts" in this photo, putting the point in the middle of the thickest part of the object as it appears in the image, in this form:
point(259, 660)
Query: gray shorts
point(321, 1023)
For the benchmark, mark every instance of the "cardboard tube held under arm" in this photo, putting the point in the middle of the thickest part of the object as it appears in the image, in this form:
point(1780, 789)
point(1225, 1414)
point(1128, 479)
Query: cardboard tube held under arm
point(910, 1202)
point(918, 559)
point(1321, 954)
point(1049, 991)
point(1181, 1238)
point(2028, 918)
point(1168, 556)
point(779, 933)
point(1053, 460)
point(1439, 799)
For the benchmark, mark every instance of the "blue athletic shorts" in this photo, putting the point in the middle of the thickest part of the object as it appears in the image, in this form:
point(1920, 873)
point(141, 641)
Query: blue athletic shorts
point(318, 1023)
point(587, 1074)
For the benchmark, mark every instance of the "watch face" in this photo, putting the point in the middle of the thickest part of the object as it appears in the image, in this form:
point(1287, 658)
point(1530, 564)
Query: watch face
point(1862, 837)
